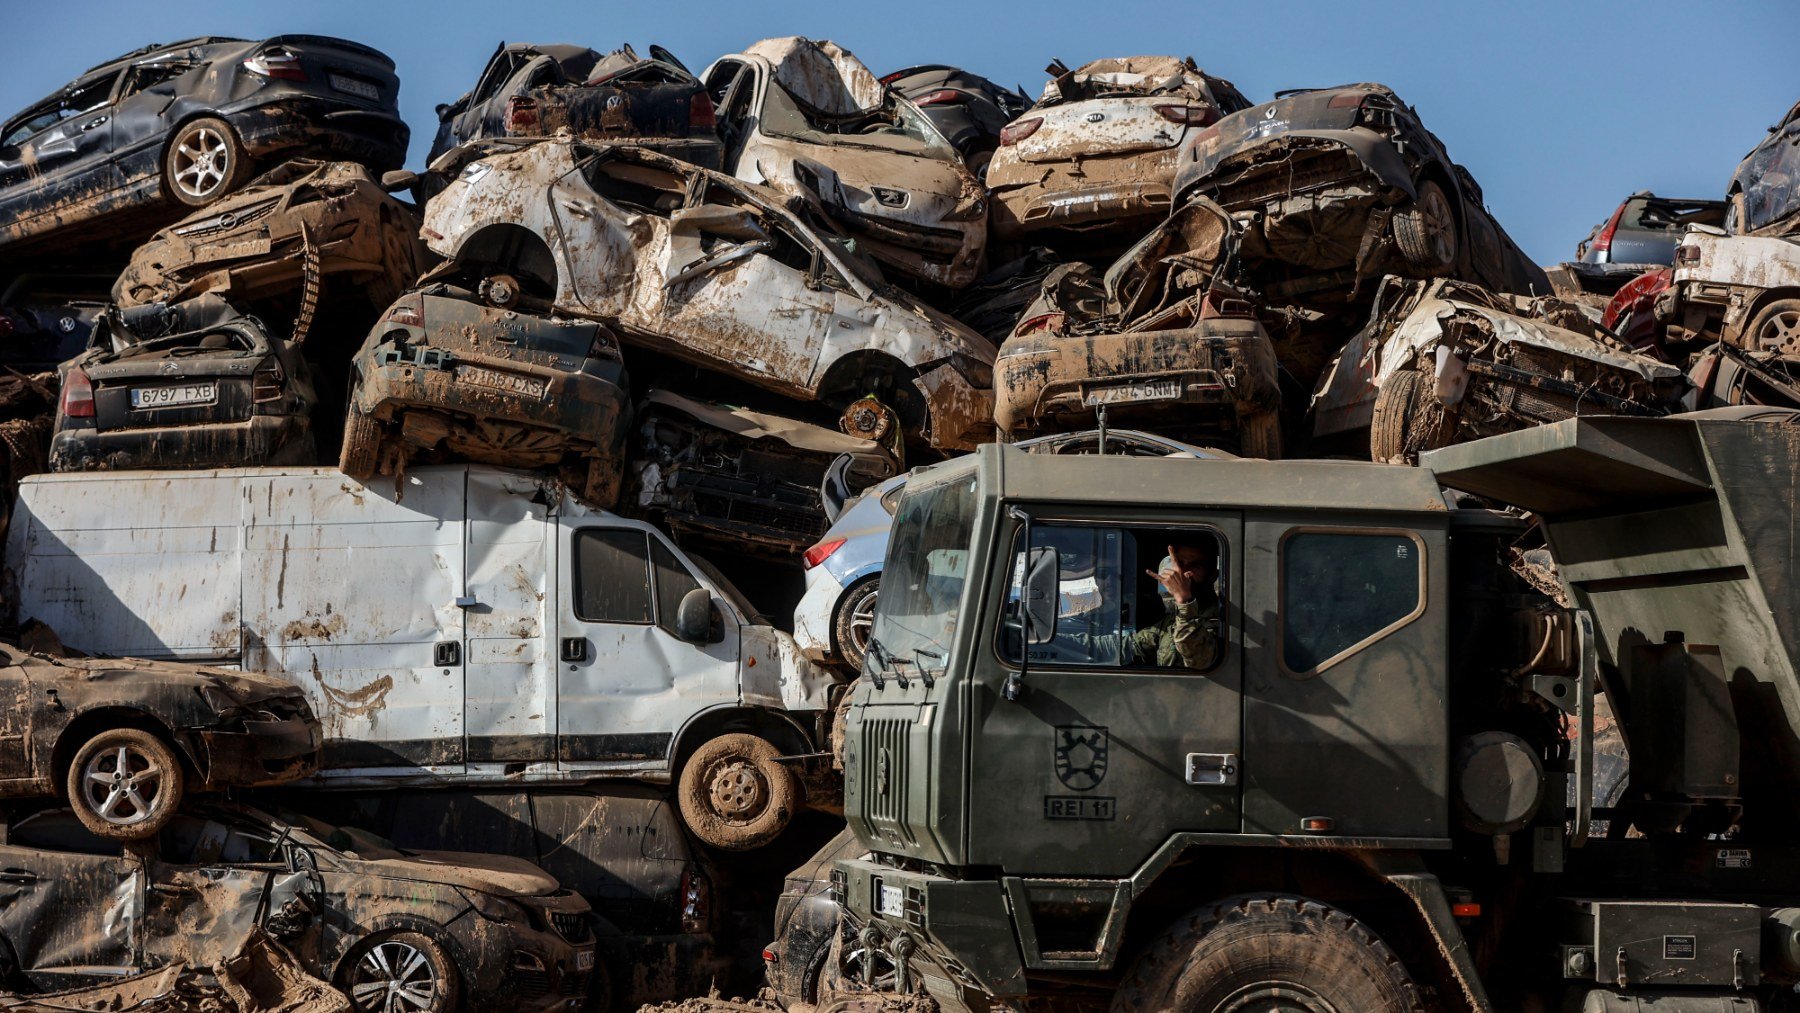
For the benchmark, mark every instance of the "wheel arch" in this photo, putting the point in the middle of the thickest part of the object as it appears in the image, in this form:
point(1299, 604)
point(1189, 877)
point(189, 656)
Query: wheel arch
point(850, 376)
point(1754, 308)
point(779, 727)
point(460, 955)
point(89, 723)
point(513, 249)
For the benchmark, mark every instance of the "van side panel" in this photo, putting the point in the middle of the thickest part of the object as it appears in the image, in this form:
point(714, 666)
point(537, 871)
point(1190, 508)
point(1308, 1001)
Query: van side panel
point(509, 697)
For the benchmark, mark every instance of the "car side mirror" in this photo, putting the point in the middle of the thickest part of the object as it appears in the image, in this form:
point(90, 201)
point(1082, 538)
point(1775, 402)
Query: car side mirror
point(694, 616)
point(398, 179)
point(1043, 578)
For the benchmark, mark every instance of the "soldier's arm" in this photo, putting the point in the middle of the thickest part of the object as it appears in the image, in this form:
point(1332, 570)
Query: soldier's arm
point(1197, 633)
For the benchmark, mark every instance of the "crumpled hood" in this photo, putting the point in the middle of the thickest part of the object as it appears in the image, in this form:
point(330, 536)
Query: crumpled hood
point(497, 874)
point(822, 74)
point(249, 686)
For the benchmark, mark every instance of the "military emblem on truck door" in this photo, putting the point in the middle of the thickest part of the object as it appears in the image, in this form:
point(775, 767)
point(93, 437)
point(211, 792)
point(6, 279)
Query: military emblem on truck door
point(1081, 756)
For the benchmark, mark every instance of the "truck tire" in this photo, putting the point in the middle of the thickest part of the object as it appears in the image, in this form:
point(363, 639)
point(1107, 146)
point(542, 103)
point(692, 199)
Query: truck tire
point(1425, 231)
point(125, 784)
point(735, 795)
point(361, 452)
point(1259, 436)
point(203, 162)
point(1408, 418)
point(854, 621)
point(410, 964)
point(1288, 952)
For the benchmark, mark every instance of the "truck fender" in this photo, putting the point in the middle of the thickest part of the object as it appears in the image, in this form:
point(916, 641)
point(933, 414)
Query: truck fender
point(1407, 874)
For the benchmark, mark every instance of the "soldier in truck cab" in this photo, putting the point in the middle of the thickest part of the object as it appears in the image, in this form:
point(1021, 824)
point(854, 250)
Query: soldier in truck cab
point(1188, 632)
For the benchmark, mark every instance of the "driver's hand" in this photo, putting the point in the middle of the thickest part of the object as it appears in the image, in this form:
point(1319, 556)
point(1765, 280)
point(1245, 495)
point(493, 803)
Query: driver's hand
point(1178, 582)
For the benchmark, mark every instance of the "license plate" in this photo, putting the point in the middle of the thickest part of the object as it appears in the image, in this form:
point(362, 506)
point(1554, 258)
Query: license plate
point(502, 381)
point(1153, 390)
point(584, 961)
point(174, 396)
point(892, 902)
point(361, 89)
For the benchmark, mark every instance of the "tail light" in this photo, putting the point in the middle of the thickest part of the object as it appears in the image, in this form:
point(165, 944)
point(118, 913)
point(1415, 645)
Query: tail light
point(696, 902)
point(941, 97)
point(521, 114)
point(1193, 116)
point(1687, 254)
point(276, 62)
point(1018, 130)
point(701, 112)
point(895, 76)
point(407, 315)
point(819, 553)
point(1041, 322)
point(6, 327)
point(269, 380)
point(1347, 99)
point(77, 395)
point(1603, 241)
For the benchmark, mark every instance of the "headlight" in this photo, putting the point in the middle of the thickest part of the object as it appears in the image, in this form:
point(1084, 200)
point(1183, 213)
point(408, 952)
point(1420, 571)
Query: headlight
point(221, 700)
point(497, 909)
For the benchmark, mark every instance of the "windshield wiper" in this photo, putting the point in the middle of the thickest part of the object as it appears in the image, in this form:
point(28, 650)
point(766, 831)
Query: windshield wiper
point(884, 659)
point(925, 673)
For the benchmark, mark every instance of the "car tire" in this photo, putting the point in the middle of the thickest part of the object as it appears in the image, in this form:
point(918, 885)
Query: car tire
point(1775, 328)
point(125, 784)
point(360, 455)
point(395, 961)
point(1408, 418)
point(1259, 436)
point(1425, 230)
point(735, 795)
point(854, 620)
point(203, 162)
point(1288, 952)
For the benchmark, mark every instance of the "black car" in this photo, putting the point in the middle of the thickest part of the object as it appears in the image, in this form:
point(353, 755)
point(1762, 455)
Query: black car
point(806, 923)
point(46, 318)
point(195, 385)
point(968, 109)
point(170, 127)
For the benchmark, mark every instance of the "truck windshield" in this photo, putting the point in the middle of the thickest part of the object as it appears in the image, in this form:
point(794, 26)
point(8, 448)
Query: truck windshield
point(922, 581)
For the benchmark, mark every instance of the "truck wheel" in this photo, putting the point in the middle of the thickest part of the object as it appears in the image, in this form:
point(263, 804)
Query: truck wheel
point(393, 970)
point(125, 784)
point(1775, 329)
point(203, 162)
point(1425, 231)
point(855, 619)
point(735, 795)
point(1259, 436)
point(361, 453)
point(840, 725)
point(1408, 418)
point(1268, 953)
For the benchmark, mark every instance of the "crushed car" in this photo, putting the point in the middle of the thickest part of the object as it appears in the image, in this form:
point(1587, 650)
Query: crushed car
point(261, 977)
point(1336, 187)
point(124, 740)
point(531, 90)
point(1098, 151)
point(47, 316)
point(1445, 361)
point(709, 270)
point(968, 109)
point(147, 136)
point(391, 929)
point(1159, 342)
point(808, 119)
point(197, 384)
point(494, 386)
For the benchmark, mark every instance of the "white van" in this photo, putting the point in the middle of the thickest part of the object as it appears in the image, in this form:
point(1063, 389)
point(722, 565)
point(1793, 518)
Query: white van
point(461, 623)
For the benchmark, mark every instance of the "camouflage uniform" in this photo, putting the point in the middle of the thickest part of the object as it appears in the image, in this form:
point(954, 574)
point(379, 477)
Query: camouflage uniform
point(1187, 636)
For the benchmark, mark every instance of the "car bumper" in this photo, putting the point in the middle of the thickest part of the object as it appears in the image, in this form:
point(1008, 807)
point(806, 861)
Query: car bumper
point(816, 614)
point(264, 753)
point(261, 440)
point(528, 969)
point(375, 137)
point(1047, 205)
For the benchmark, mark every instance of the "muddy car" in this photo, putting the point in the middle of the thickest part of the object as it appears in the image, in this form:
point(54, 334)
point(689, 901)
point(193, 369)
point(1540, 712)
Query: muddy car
point(807, 923)
point(170, 127)
point(37, 335)
point(807, 118)
point(531, 90)
point(1098, 151)
point(744, 480)
point(1443, 362)
point(1339, 186)
point(1159, 342)
point(393, 930)
point(968, 109)
point(123, 740)
point(193, 385)
point(304, 231)
point(494, 386)
point(709, 270)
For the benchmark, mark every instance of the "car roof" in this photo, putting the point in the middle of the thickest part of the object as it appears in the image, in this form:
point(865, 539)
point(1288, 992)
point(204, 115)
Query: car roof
point(157, 47)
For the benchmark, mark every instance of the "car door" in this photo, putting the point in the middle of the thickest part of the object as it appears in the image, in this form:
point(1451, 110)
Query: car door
point(210, 885)
point(70, 902)
point(60, 155)
point(507, 695)
point(140, 121)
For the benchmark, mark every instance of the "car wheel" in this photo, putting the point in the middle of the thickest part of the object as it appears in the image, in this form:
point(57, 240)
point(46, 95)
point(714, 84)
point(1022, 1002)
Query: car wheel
point(1408, 418)
point(1269, 953)
point(1425, 231)
point(400, 972)
point(735, 795)
point(854, 620)
point(361, 453)
point(125, 784)
point(1776, 328)
point(204, 162)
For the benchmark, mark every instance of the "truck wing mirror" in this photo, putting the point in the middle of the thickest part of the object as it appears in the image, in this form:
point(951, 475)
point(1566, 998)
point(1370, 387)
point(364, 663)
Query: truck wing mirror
point(1043, 577)
point(694, 616)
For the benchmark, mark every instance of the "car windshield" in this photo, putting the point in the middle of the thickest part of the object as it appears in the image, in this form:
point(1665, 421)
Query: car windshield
point(926, 569)
point(896, 126)
point(1771, 181)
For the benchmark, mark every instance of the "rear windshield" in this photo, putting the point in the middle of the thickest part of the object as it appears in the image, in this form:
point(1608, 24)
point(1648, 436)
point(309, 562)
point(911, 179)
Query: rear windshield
point(896, 126)
point(1652, 214)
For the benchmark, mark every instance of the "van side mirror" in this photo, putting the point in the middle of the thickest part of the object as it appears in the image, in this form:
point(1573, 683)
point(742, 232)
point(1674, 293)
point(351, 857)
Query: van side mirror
point(398, 179)
point(694, 616)
point(1043, 579)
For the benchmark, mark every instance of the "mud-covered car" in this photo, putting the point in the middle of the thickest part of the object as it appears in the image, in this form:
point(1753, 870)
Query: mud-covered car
point(123, 740)
point(968, 109)
point(702, 268)
point(1098, 151)
point(194, 385)
point(1159, 342)
point(169, 127)
point(1443, 362)
point(530, 90)
point(809, 119)
point(494, 386)
point(423, 932)
point(1764, 193)
point(807, 923)
point(46, 318)
point(304, 231)
point(1339, 186)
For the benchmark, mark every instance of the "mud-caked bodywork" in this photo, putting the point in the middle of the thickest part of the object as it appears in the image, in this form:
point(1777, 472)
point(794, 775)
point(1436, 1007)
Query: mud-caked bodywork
point(1098, 152)
point(197, 384)
point(445, 371)
point(1160, 342)
point(1443, 362)
point(1338, 186)
point(807, 118)
point(713, 271)
point(1739, 294)
point(968, 109)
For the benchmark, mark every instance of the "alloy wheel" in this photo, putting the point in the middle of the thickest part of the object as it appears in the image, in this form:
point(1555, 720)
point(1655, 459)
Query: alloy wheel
point(200, 163)
point(122, 785)
point(394, 977)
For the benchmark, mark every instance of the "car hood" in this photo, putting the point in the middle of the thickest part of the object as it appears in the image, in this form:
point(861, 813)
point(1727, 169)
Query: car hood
point(250, 687)
point(503, 875)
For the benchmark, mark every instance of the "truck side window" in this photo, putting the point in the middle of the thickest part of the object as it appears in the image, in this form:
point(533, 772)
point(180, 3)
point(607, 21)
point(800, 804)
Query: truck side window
point(612, 576)
point(673, 582)
point(1342, 590)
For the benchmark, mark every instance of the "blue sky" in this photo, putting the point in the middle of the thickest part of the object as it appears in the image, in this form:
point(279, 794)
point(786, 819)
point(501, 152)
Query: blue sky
point(1559, 109)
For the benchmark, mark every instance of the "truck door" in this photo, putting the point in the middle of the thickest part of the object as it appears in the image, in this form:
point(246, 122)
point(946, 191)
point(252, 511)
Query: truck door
point(508, 699)
point(1129, 713)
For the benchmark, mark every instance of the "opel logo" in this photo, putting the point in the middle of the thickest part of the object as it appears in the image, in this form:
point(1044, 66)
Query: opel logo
point(227, 220)
point(1095, 117)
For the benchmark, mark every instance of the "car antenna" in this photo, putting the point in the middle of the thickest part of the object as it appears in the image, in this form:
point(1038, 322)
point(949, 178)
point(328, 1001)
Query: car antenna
point(1100, 412)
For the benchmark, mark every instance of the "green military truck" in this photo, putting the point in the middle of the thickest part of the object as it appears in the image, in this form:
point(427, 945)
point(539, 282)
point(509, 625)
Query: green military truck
point(1375, 791)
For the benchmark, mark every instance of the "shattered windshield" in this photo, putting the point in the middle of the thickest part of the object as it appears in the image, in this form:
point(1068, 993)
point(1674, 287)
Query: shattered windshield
point(1771, 181)
point(923, 580)
point(896, 126)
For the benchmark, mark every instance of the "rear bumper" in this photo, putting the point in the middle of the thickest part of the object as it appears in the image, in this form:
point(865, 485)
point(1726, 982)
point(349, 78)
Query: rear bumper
point(816, 613)
point(264, 753)
point(325, 126)
point(261, 440)
point(1026, 209)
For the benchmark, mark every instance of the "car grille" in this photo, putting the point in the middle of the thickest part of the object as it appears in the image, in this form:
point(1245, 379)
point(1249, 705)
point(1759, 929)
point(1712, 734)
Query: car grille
point(226, 221)
point(531, 986)
point(571, 926)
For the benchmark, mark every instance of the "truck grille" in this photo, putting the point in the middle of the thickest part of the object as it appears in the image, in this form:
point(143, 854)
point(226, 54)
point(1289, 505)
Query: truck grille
point(570, 925)
point(885, 776)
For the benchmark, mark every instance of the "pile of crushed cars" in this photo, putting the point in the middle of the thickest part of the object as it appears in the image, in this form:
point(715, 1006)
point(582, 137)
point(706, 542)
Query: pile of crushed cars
point(724, 304)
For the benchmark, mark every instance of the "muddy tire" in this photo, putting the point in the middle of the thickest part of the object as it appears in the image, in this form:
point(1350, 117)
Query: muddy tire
point(361, 453)
point(203, 162)
point(125, 784)
point(840, 726)
point(1268, 952)
point(1260, 436)
point(735, 795)
point(855, 618)
point(1425, 231)
point(409, 966)
point(1776, 328)
point(1408, 418)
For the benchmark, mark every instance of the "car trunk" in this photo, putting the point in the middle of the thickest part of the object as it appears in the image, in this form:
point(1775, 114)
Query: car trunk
point(350, 71)
point(1126, 125)
point(176, 386)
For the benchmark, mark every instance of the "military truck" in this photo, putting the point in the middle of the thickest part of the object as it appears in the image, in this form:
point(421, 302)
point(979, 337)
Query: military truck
point(1373, 790)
